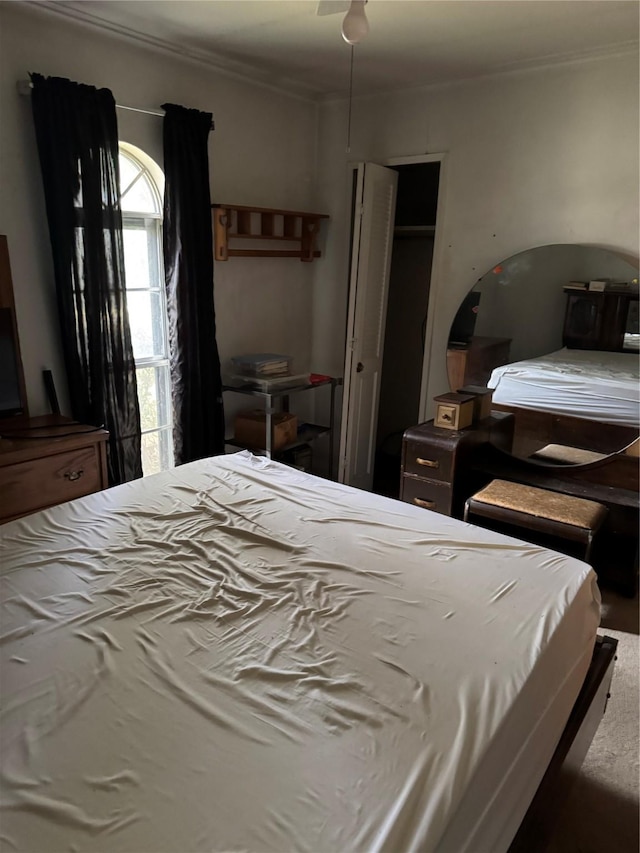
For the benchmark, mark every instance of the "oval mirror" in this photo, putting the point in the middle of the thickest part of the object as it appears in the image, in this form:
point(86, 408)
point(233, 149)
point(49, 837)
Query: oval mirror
point(553, 331)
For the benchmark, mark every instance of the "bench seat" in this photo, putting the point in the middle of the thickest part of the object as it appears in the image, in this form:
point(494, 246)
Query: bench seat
point(540, 510)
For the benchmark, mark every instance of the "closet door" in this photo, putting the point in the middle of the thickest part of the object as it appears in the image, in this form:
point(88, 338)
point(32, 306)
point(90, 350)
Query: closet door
point(374, 213)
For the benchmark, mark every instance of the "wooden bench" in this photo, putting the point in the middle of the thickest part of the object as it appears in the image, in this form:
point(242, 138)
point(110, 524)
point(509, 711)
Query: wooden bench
point(539, 510)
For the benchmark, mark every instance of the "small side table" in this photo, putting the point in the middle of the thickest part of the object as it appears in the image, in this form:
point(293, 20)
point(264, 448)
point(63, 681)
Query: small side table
point(278, 401)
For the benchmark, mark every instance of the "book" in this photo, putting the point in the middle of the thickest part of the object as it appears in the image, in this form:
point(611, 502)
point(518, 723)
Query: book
point(576, 285)
point(598, 285)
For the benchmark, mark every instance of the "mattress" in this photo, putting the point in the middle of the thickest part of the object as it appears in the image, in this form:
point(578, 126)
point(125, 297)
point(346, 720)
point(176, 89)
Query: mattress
point(598, 386)
point(234, 655)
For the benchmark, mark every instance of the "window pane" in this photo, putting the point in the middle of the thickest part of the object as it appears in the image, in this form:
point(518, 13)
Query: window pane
point(157, 451)
point(154, 397)
point(147, 310)
point(146, 323)
point(140, 198)
point(128, 171)
point(151, 453)
point(136, 257)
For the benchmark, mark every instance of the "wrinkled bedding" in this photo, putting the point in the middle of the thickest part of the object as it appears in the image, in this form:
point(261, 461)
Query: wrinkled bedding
point(598, 386)
point(236, 656)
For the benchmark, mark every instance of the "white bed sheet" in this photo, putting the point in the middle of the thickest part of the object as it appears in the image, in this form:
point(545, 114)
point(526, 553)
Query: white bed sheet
point(598, 386)
point(238, 656)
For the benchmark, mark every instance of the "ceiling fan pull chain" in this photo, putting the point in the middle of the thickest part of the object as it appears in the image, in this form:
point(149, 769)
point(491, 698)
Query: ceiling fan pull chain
point(350, 102)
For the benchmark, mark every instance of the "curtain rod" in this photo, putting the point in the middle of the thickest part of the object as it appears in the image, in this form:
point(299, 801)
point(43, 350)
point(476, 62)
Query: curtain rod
point(25, 86)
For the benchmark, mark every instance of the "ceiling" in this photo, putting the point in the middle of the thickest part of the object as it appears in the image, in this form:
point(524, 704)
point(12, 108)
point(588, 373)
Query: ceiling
point(411, 42)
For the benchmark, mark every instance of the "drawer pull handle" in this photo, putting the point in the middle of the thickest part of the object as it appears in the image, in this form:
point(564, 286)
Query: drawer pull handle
point(425, 504)
point(428, 463)
point(73, 475)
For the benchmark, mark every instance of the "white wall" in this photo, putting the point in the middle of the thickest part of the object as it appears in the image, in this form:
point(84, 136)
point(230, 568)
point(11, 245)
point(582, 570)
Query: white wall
point(262, 153)
point(546, 156)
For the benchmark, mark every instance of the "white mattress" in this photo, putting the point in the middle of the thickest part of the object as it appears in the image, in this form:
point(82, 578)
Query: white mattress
point(598, 386)
point(238, 656)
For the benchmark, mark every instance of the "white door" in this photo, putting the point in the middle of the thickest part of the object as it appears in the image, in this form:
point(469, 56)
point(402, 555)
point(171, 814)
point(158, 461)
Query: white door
point(374, 213)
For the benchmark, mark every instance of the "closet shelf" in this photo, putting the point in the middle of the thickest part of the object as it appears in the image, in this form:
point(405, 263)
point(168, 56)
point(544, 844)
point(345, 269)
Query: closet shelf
point(239, 222)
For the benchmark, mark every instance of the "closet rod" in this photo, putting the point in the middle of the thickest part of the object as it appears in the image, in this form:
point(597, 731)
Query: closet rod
point(25, 87)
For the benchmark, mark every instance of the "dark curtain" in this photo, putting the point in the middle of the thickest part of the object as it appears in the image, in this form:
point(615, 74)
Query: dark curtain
point(77, 138)
point(188, 264)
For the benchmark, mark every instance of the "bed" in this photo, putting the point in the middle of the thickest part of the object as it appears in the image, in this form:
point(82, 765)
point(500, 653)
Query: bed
point(598, 386)
point(235, 655)
point(584, 398)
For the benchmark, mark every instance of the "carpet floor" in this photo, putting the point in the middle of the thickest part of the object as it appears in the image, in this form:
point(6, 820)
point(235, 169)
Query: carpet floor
point(602, 814)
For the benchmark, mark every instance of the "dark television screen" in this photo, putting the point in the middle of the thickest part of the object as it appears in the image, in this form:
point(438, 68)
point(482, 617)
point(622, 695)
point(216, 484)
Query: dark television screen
point(464, 322)
point(10, 402)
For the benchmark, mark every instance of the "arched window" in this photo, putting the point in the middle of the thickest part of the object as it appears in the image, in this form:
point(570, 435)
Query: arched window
point(141, 189)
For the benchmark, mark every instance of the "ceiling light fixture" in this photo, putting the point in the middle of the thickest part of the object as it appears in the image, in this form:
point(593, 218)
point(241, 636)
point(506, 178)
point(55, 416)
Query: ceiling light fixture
point(355, 25)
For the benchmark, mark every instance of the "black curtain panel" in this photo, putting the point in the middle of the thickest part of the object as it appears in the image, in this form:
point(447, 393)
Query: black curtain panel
point(77, 138)
point(188, 263)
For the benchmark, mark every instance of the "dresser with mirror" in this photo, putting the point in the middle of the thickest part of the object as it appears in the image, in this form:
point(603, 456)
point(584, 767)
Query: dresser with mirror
point(567, 375)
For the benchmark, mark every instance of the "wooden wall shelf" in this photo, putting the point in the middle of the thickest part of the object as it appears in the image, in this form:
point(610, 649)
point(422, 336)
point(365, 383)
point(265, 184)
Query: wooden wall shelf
point(237, 222)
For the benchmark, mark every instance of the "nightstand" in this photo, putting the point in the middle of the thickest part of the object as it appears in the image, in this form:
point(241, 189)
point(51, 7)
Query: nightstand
point(435, 471)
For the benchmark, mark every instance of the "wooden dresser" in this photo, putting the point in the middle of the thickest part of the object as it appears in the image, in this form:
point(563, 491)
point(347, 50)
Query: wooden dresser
point(473, 364)
point(597, 320)
point(59, 461)
point(433, 461)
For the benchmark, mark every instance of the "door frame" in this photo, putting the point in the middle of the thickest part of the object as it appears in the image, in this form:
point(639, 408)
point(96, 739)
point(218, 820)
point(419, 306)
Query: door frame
point(436, 267)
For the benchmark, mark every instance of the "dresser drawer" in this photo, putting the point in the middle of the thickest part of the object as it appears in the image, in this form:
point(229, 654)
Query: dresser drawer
point(427, 459)
point(427, 494)
point(39, 483)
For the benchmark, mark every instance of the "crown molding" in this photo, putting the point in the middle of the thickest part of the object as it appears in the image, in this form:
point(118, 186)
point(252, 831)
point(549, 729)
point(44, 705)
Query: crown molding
point(234, 69)
point(244, 72)
point(578, 57)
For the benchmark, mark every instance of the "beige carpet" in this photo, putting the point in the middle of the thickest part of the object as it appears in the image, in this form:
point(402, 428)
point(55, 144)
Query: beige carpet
point(602, 814)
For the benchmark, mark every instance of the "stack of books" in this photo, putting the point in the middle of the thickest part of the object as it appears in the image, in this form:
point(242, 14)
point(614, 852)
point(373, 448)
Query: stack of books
point(263, 365)
point(265, 371)
point(599, 285)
